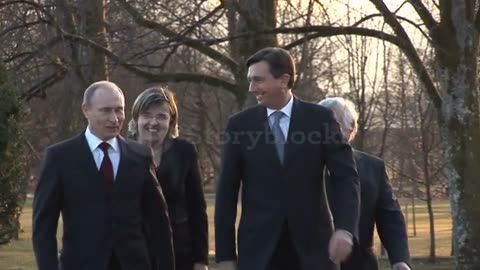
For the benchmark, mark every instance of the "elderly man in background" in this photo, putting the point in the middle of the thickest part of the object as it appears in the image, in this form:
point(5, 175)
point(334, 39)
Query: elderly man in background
point(379, 205)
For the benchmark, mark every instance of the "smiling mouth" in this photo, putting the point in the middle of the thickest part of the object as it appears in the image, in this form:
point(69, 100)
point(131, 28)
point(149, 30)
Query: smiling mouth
point(260, 95)
point(152, 130)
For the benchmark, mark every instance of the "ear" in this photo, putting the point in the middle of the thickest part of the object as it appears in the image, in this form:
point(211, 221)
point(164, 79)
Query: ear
point(85, 110)
point(285, 78)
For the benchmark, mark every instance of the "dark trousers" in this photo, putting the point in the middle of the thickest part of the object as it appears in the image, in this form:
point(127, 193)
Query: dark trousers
point(361, 259)
point(114, 264)
point(285, 256)
point(183, 261)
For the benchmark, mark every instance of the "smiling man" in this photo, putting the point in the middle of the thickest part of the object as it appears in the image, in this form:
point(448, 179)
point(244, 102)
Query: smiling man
point(286, 222)
point(112, 207)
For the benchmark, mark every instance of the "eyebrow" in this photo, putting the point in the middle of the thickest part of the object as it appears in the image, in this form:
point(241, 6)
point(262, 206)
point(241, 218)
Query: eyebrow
point(254, 77)
point(160, 113)
point(109, 108)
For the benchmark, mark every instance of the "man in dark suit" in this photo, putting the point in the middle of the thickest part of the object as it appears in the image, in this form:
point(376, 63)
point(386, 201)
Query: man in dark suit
point(276, 151)
point(113, 211)
point(379, 205)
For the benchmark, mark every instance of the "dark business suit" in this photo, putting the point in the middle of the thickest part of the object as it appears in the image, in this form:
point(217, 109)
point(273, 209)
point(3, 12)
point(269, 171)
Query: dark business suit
point(283, 204)
point(378, 207)
point(98, 223)
point(179, 176)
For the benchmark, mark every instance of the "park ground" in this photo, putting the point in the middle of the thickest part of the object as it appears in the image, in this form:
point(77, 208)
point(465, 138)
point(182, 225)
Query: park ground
point(18, 254)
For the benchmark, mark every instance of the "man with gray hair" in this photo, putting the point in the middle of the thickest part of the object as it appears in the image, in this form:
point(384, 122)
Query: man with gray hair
point(378, 204)
point(113, 210)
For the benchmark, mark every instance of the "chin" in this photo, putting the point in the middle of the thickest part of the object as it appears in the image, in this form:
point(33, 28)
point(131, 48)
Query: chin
point(268, 105)
point(261, 102)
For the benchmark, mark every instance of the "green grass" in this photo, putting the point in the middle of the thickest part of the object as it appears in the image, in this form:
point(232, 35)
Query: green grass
point(420, 244)
point(18, 254)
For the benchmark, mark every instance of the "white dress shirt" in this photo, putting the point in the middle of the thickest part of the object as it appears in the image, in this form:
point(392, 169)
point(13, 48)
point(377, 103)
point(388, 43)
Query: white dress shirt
point(285, 120)
point(113, 151)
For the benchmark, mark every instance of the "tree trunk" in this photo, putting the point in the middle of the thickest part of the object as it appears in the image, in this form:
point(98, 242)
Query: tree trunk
point(414, 221)
point(253, 15)
point(463, 151)
point(87, 65)
point(428, 188)
point(457, 58)
point(94, 19)
point(412, 171)
point(431, 219)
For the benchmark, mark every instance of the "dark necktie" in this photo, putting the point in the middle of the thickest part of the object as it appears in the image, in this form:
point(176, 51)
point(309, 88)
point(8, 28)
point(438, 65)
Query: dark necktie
point(106, 167)
point(278, 134)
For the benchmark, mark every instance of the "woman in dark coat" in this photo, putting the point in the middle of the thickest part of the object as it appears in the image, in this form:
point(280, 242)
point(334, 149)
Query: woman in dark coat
point(155, 123)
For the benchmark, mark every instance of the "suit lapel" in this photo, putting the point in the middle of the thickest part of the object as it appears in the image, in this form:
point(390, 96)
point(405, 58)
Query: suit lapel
point(130, 159)
point(87, 162)
point(266, 140)
point(125, 163)
point(294, 130)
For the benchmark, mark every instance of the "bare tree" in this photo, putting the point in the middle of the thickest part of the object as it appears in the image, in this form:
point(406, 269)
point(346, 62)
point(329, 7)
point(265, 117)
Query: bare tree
point(451, 27)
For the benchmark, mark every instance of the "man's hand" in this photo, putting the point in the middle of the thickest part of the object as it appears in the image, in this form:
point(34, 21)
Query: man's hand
point(340, 246)
point(227, 265)
point(200, 266)
point(400, 266)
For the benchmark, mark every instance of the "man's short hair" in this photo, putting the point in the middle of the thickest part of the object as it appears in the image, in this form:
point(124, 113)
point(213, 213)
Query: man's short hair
point(90, 91)
point(279, 60)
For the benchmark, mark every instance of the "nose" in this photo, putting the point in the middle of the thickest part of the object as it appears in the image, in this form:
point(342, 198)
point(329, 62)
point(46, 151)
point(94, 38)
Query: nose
point(114, 118)
point(154, 120)
point(251, 87)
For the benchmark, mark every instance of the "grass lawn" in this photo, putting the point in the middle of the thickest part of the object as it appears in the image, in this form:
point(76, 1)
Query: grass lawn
point(18, 255)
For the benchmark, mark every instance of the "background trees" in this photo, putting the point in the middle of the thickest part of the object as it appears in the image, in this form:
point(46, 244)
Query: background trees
point(13, 180)
point(371, 52)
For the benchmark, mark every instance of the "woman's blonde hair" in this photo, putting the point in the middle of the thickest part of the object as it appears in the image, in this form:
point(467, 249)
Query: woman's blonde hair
point(151, 97)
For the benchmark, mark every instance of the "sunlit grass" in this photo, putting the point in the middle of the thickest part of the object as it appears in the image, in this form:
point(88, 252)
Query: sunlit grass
point(18, 255)
point(420, 243)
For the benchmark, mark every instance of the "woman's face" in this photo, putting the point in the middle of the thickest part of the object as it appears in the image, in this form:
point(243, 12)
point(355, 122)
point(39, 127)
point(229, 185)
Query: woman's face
point(153, 124)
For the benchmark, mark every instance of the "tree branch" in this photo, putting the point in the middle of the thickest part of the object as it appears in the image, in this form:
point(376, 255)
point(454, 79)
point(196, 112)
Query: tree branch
point(195, 44)
point(316, 31)
point(251, 22)
point(29, 55)
point(189, 30)
point(424, 14)
point(477, 20)
point(202, 20)
point(30, 3)
point(410, 52)
point(158, 77)
point(20, 26)
point(38, 90)
point(364, 19)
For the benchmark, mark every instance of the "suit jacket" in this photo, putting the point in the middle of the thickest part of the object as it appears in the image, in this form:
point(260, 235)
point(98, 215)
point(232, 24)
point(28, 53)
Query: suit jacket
point(97, 222)
point(273, 194)
point(378, 207)
point(179, 176)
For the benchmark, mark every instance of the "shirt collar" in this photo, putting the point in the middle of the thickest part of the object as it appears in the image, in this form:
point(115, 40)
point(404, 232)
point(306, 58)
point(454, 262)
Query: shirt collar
point(93, 141)
point(287, 109)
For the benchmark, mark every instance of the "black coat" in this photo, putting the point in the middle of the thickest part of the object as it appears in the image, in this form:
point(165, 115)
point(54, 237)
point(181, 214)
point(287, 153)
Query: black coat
point(179, 176)
point(97, 222)
point(273, 194)
point(379, 207)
